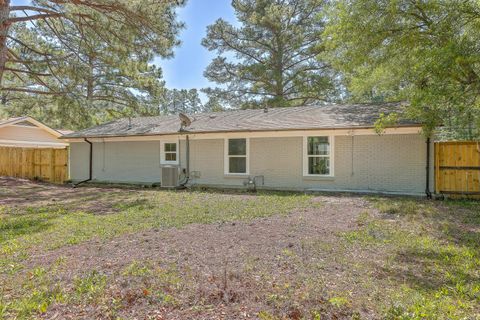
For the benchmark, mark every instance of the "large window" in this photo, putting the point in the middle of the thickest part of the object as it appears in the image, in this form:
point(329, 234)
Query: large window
point(318, 158)
point(236, 157)
point(169, 152)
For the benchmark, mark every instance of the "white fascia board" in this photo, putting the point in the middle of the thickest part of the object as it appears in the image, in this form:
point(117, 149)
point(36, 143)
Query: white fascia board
point(20, 143)
point(258, 134)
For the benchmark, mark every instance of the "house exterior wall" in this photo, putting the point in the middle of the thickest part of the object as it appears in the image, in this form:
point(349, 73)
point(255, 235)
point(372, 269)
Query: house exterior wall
point(129, 162)
point(28, 137)
point(79, 159)
point(123, 162)
point(387, 163)
point(393, 163)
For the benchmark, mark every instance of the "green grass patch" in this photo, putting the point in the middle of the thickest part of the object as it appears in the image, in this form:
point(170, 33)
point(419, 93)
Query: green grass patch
point(434, 251)
point(90, 286)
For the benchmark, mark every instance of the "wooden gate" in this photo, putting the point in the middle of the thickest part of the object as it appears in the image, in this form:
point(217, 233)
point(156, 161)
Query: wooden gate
point(46, 164)
point(457, 168)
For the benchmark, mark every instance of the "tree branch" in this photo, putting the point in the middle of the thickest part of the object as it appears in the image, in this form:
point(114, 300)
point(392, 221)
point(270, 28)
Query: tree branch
point(27, 71)
point(31, 8)
point(35, 17)
point(31, 91)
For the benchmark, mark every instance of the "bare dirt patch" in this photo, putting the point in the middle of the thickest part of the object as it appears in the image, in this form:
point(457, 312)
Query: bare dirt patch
point(228, 270)
point(98, 200)
point(115, 252)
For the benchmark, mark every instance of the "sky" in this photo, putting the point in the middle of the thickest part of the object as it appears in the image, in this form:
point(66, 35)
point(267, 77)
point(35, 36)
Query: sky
point(185, 70)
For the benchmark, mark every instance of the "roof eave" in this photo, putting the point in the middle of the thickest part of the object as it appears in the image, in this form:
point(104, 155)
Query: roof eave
point(234, 131)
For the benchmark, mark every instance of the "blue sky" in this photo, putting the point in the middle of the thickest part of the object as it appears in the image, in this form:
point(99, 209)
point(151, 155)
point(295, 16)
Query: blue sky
point(185, 70)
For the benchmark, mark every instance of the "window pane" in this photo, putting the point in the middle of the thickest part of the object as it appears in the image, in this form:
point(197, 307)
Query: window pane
point(237, 147)
point(318, 146)
point(170, 156)
point(237, 165)
point(170, 147)
point(318, 165)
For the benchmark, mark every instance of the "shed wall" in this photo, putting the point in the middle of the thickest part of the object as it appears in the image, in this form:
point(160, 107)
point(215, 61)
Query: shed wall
point(26, 136)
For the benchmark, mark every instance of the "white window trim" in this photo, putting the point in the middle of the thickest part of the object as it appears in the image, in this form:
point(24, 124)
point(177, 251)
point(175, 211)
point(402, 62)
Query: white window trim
point(162, 152)
point(331, 141)
point(227, 162)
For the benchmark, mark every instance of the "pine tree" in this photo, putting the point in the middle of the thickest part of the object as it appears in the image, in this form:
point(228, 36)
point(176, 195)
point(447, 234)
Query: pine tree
point(272, 57)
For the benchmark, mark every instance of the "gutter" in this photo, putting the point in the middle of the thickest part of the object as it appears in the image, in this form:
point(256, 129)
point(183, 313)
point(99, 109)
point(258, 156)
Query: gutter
point(66, 137)
point(427, 177)
point(90, 169)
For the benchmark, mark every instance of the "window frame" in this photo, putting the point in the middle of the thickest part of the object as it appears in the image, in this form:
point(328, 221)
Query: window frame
point(227, 157)
point(163, 152)
point(331, 156)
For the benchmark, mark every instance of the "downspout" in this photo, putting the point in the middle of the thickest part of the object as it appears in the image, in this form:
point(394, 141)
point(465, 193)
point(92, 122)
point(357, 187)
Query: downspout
point(187, 154)
point(427, 182)
point(90, 165)
point(183, 185)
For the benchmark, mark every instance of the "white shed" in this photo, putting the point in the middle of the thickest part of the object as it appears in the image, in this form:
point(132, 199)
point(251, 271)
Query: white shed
point(27, 132)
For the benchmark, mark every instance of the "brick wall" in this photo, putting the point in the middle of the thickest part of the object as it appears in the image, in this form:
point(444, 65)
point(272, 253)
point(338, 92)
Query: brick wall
point(390, 163)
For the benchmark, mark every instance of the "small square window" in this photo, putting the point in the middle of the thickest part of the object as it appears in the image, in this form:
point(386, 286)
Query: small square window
point(238, 165)
point(170, 156)
point(318, 165)
point(237, 147)
point(169, 153)
point(170, 147)
point(318, 146)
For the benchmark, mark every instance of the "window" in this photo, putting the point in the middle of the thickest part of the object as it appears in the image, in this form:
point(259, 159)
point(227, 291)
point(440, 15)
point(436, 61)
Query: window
point(236, 158)
point(169, 152)
point(317, 161)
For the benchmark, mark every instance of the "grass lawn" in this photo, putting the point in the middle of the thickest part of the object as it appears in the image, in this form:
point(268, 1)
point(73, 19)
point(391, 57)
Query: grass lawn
point(123, 253)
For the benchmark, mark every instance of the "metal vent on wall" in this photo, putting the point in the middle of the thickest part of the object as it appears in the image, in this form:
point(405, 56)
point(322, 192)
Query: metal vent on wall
point(169, 176)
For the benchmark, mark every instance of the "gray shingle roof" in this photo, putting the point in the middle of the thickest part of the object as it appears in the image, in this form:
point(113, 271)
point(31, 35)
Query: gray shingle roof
point(6, 121)
point(300, 118)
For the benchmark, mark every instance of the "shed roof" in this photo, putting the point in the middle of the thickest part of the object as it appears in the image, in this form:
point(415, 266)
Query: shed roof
point(275, 119)
point(26, 119)
point(11, 120)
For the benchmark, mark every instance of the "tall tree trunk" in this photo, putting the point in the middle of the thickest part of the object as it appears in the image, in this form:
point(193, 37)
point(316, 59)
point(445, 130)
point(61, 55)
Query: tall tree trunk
point(4, 26)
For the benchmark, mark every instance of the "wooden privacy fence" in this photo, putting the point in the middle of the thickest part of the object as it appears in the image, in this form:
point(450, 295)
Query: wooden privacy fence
point(457, 168)
point(46, 164)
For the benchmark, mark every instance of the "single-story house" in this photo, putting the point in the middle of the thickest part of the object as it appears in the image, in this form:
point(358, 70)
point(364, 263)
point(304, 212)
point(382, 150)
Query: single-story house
point(27, 132)
point(318, 148)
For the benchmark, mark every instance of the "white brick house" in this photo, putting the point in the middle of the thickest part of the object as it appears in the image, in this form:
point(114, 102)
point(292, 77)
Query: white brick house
point(305, 148)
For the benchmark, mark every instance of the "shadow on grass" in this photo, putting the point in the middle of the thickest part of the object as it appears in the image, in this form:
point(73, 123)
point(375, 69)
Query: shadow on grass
point(23, 193)
point(431, 270)
point(139, 204)
point(18, 226)
point(441, 257)
point(464, 236)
